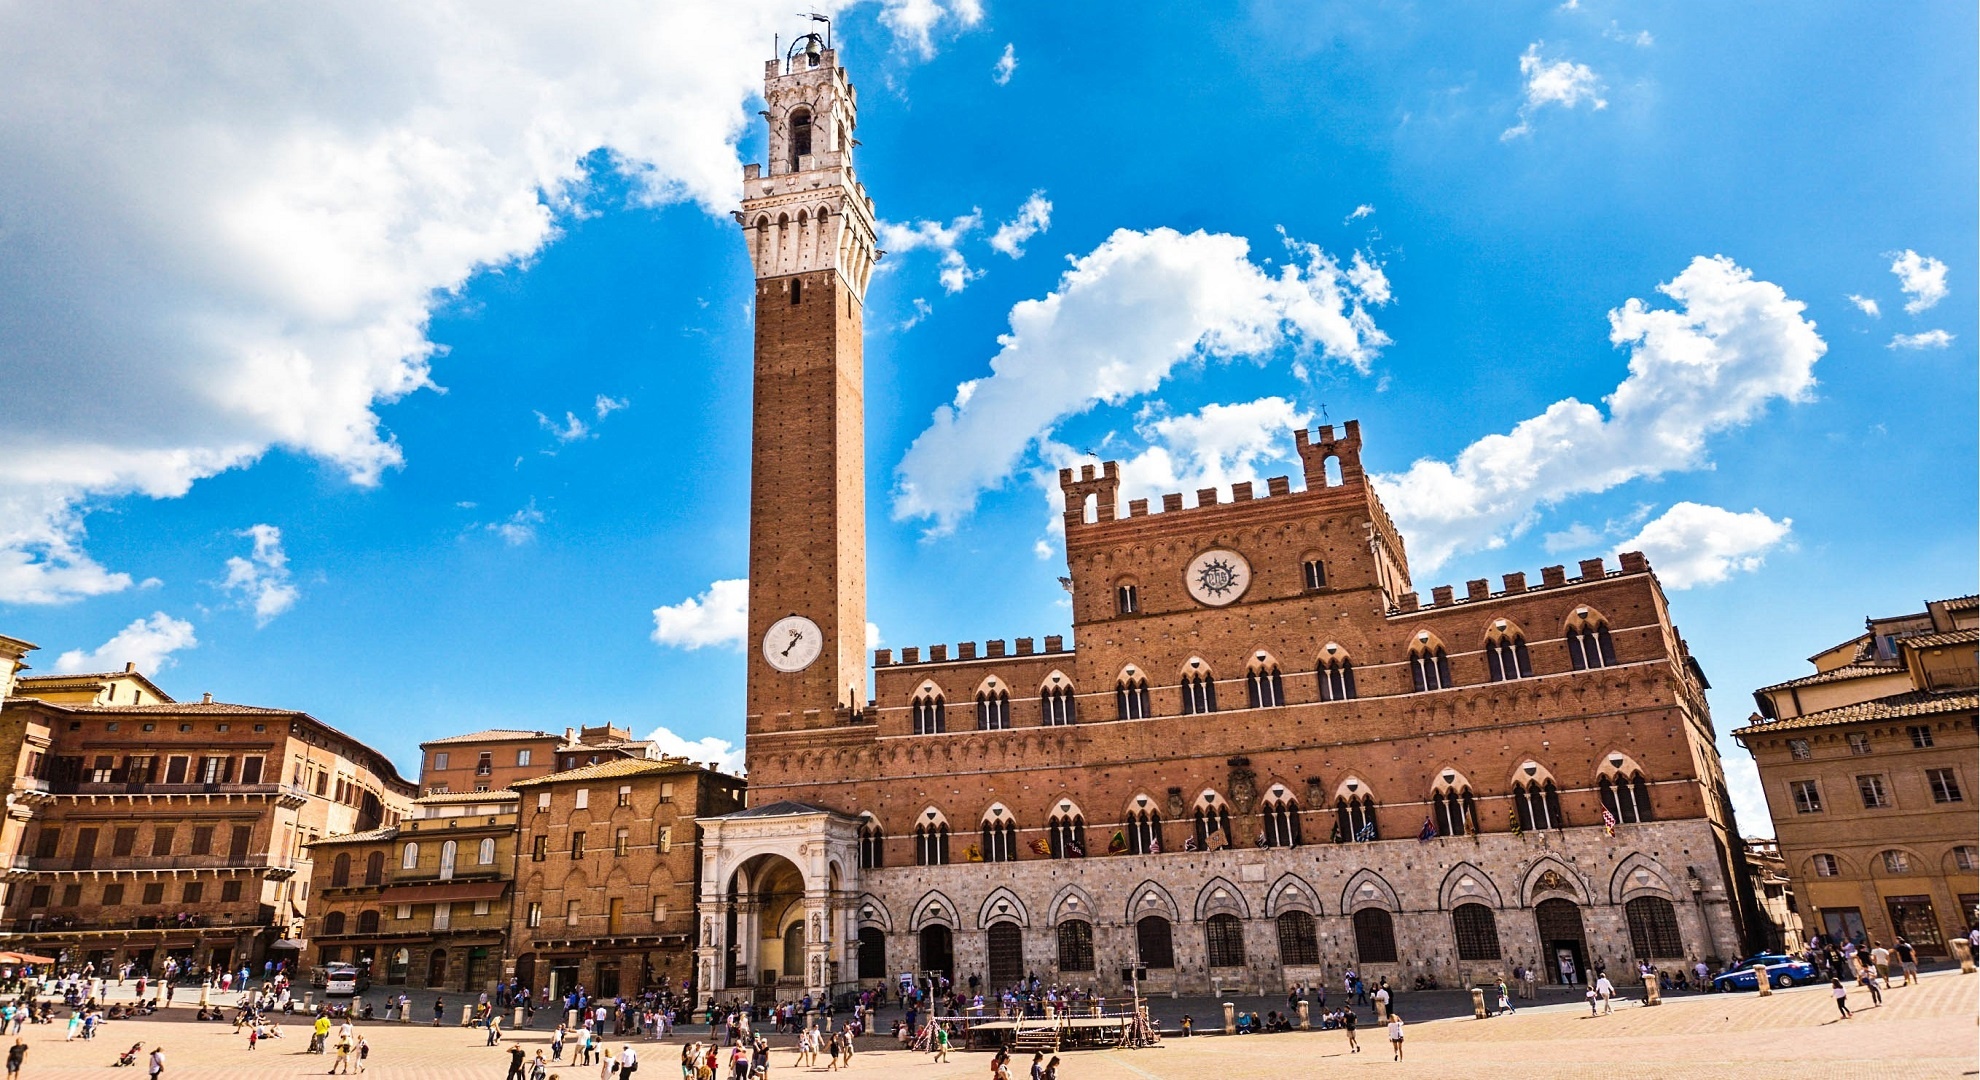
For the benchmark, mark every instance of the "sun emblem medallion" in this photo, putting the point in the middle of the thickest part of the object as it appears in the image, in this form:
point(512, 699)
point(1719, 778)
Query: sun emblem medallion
point(1217, 577)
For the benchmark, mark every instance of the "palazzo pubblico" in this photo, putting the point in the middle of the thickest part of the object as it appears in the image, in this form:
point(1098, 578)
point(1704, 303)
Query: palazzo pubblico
point(1264, 759)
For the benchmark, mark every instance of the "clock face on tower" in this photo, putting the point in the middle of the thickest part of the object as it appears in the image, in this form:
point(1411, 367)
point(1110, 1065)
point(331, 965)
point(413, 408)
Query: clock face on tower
point(1217, 577)
point(792, 643)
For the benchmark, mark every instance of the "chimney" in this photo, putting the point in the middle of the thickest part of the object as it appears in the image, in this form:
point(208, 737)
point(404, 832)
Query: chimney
point(206, 698)
point(130, 666)
point(570, 735)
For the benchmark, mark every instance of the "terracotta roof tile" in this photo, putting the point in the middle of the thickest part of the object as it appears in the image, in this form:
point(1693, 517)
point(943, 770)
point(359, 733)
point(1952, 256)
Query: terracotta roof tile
point(449, 797)
point(1940, 640)
point(607, 770)
point(1896, 707)
point(357, 837)
point(1847, 671)
point(490, 735)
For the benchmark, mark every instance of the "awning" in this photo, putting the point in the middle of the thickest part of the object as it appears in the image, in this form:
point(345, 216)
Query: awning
point(460, 890)
point(289, 943)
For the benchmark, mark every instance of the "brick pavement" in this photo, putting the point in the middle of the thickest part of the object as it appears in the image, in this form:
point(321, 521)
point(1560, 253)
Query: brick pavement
point(1922, 1032)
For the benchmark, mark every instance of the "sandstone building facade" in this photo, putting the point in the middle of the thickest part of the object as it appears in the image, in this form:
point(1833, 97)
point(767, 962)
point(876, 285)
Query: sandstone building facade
point(1262, 758)
point(425, 903)
point(140, 827)
point(492, 760)
point(1868, 766)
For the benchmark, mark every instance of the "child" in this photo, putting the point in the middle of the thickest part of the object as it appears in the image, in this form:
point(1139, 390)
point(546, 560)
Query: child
point(1505, 998)
point(1395, 1034)
point(1841, 993)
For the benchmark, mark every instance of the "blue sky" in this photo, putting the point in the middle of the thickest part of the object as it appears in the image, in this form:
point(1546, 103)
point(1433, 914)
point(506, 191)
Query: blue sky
point(445, 344)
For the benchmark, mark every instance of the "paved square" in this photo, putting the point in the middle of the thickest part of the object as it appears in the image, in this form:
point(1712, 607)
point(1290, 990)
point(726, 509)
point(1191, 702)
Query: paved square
point(1925, 1031)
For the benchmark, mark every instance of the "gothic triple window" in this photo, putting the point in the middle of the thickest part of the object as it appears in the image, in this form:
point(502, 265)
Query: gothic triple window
point(872, 845)
point(999, 833)
point(931, 840)
point(1588, 641)
point(1281, 821)
point(1452, 807)
point(1131, 695)
point(1336, 675)
point(1538, 803)
point(1624, 793)
point(1213, 823)
point(1429, 666)
point(929, 714)
point(1056, 701)
point(1263, 687)
point(993, 709)
point(1354, 818)
point(1505, 653)
point(1199, 690)
point(1144, 832)
point(1065, 834)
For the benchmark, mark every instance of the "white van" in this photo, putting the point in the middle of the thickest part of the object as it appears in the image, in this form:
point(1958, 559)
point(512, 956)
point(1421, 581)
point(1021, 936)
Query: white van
point(342, 980)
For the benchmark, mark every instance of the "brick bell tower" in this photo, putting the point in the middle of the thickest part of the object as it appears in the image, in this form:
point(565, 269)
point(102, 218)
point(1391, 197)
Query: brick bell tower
point(809, 226)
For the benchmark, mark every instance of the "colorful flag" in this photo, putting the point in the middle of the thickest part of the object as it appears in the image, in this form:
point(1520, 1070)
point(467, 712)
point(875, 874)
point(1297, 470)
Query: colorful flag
point(1608, 822)
point(1335, 836)
point(974, 854)
point(1155, 844)
point(1118, 844)
point(1042, 846)
point(1471, 825)
point(1516, 829)
point(1427, 833)
point(1366, 834)
point(1189, 843)
point(1076, 849)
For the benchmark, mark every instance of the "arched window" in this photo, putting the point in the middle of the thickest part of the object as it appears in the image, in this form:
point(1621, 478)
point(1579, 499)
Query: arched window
point(1354, 814)
point(1127, 599)
point(340, 871)
point(993, 709)
point(872, 953)
point(367, 922)
point(1535, 799)
point(1429, 667)
point(930, 717)
point(1154, 944)
point(1066, 833)
point(1298, 944)
point(931, 840)
point(1199, 689)
point(1281, 819)
point(1264, 688)
point(1336, 674)
point(871, 844)
point(999, 830)
point(484, 855)
point(1056, 701)
point(1144, 828)
point(1212, 817)
point(1588, 642)
point(1477, 932)
point(1505, 653)
point(1314, 573)
point(1075, 945)
point(800, 136)
point(448, 851)
point(1223, 940)
point(374, 868)
point(1131, 694)
point(1653, 928)
point(1452, 807)
point(409, 857)
point(1374, 936)
point(333, 923)
point(1625, 795)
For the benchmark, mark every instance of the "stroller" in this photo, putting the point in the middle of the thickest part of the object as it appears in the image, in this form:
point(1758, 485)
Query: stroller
point(129, 1057)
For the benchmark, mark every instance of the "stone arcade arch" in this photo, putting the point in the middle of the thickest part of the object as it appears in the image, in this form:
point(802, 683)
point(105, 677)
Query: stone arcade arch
point(778, 907)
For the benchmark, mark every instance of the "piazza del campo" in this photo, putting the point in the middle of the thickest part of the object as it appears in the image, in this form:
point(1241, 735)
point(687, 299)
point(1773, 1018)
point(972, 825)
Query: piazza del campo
point(1246, 792)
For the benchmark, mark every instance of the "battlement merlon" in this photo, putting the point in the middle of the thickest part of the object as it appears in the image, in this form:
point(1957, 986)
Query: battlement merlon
point(1103, 485)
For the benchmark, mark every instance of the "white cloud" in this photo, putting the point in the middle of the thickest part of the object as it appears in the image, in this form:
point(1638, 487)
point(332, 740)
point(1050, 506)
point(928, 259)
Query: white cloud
point(1929, 339)
point(922, 310)
point(1866, 305)
point(1749, 796)
point(262, 579)
point(1006, 65)
point(1692, 544)
point(1034, 217)
point(955, 275)
point(606, 406)
point(520, 528)
point(1922, 277)
point(236, 226)
point(1217, 446)
point(719, 616)
point(148, 643)
point(1576, 537)
point(914, 22)
point(1638, 38)
point(1362, 211)
point(570, 430)
point(872, 636)
point(1732, 346)
point(727, 756)
point(1563, 83)
point(1119, 321)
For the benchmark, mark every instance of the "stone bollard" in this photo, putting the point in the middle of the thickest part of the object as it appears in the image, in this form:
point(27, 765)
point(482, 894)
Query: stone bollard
point(1230, 1018)
point(467, 1016)
point(1478, 1003)
point(1381, 1011)
point(1305, 1021)
point(1653, 994)
point(1760, 980)
point(309, 1000)
point(517, 1022)
point(570, 1020)
point(405, 1013)
point(1962, 951)
point(202, 995)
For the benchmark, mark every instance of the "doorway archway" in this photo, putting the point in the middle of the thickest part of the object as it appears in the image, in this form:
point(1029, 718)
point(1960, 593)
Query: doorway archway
point(938, 950)
point(1006, 955)
point(1563, 940)
point(766, 923)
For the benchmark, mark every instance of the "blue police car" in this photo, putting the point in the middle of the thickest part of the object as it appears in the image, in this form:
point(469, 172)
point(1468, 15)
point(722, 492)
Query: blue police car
point(1782, 971)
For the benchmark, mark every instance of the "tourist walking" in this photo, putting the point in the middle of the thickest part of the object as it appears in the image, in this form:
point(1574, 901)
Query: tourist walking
point(1867, 976)
point(1605, 990)
point(1348, 1020)
point(1907, 959)
point(16, 1054)
point(1396, 1034)
point(156, 1067)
